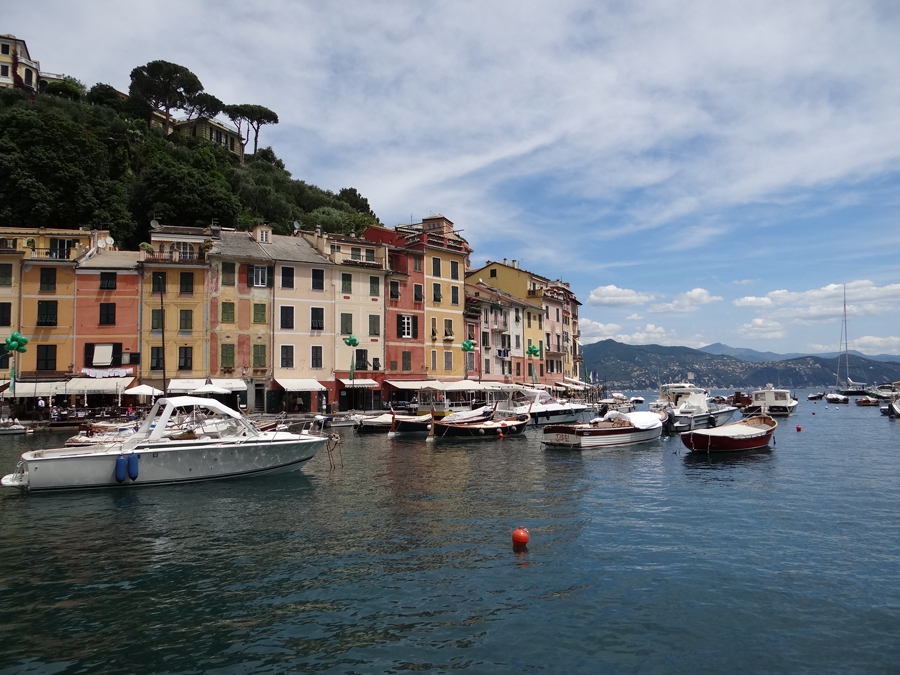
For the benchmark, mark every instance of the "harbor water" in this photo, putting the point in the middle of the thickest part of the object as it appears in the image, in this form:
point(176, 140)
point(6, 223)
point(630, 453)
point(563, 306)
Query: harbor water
point(645, 559)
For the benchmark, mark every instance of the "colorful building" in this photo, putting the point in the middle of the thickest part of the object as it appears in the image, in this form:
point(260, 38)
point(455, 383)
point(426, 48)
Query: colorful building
point(16, 64)
point(214, 131)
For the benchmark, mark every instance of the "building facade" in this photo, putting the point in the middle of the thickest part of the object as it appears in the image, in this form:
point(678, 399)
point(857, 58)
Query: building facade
point(16, 64)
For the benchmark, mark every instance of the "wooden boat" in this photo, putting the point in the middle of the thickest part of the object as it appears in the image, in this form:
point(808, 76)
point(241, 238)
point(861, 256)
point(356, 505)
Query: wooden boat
point(750, 433)
point(393, 422)
point(613, 429)
point(868, 400)
point(510, 426)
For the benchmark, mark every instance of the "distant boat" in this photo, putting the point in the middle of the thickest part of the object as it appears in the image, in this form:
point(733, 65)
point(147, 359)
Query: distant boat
point(771, 401)
point(837, 398)
point(815, 396)
point(846, 386)
point(868, 400)
point(751, 433)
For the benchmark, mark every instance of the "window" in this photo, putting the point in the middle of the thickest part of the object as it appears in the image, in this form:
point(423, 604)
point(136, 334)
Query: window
point(107, 281)
point(355, 253)
point(518, 342)
point(436, 267)
point(376, 363)
point(541, 369)
point(335, 248)
point(287, 356)
point(370, 255)
point(346, 324)
point(287, 277)
point(185, 358)
point(486, 339)
point(362, 359)
point(417, 264)
point(315, 356)
point(46, 357)
point(46, 313)
point(433, 360)
point(48, 278)
point(448, 361)
point(187, 282)
point(406, 360)
point(5, 49)
point(374, 286)
point(4, 72)
point(454, 269)
point(318, 280)
point(228, 274)
point(541, 350)
point(448, 328)
point(493, 273)
point(374, 324)
point(107, 314)
point(227, 312)
point(436, 293)
point(264, 236)
point(547, 311)
point(557, 313)
point(518, 368)
point(454, 295)
point(156, 358)
point(260, 275)
point(393, 365)
point(259, 356)
point(346, 283)
point(434, 328)
point(6, 274)
point(159, 282)
point(156, 319)
point(540, 318)
point(418, 293)
point(259, 313)
point(407, 326)
point(5, 313)
point(395, 290)
point(185, 319)
point(227, 356)
point(529, 319)
point(287, 317)
point(317, 318)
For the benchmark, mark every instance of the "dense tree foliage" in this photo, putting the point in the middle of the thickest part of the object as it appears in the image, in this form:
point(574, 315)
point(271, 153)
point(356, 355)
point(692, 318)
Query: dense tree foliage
point(95, 160)
point(164, 86)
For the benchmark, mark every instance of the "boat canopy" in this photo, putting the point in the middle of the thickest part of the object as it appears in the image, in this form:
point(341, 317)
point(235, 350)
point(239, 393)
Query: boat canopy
point(154, 426)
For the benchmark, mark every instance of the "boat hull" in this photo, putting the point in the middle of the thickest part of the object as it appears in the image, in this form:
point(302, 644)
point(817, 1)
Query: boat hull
point(582, 436)
point(489, 429)
point(162, 463)
point(750, 434)
point(773, 410)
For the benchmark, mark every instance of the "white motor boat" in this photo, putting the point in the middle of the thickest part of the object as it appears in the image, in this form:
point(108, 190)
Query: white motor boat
point(689, 408)
point(613, 429)
point(771, 401)
point(183, 439)
point(10, 427)
point(834, 397)
point(543, 408)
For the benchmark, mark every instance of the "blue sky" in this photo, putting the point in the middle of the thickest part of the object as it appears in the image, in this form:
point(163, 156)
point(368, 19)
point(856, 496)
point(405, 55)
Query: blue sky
point(699, 172)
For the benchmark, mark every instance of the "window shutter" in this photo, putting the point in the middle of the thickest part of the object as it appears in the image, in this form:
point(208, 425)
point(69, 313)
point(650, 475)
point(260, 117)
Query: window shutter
point(399, 325)
point(249, 275)
point(88, 354)
point(270, 277)
point(117, 354)
point(415, 326)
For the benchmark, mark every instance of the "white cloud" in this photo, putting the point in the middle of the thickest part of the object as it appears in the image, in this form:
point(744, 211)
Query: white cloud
point(870, 344)
point(742, 282)
point(614, 296)
point(827, 303)
point(762, 329)
point(634, 317)
point(594, 331)
point(751, 301)
point(686, 302)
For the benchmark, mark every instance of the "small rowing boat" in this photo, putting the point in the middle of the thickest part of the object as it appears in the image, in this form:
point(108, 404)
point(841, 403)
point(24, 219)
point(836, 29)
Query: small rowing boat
point(750, 433)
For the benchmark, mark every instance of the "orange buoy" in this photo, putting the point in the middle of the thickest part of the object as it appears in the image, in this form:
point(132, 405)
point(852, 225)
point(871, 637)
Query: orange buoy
point(520, 536)
point(799, 428)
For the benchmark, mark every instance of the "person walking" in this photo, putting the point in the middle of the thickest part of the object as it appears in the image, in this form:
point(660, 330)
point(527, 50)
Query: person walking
point(41, 405)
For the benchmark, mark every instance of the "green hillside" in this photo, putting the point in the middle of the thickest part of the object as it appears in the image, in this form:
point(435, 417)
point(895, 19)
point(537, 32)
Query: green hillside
point(643, 367)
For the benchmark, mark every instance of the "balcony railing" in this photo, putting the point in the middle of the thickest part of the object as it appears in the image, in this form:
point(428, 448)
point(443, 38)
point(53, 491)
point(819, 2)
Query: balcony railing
point(173, 257)
point(53, 253)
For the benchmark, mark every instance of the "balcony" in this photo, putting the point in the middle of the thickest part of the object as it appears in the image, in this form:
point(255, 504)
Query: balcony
point(52, 253)
point(176, 257)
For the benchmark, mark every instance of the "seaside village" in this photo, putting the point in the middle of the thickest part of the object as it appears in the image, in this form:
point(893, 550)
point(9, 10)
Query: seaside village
point(314, 322)
point(310, 323)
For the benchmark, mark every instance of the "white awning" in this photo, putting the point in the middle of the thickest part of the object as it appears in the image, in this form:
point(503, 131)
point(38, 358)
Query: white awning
point(359, 382)
point(576, 387)
point(102, 355)
point(299, 385)
point(93, 385)
point(573, 380)
point(231, 384)
point(185, 385)
point(34, 389)
point(469, 385)
point(415, 384)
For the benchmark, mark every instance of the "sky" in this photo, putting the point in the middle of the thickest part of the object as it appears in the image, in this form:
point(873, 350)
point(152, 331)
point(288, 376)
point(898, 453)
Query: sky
point(710, 171)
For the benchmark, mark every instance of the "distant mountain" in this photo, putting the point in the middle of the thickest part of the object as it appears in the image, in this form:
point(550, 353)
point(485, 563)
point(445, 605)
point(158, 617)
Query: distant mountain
point(643, 367)
point(760, 357)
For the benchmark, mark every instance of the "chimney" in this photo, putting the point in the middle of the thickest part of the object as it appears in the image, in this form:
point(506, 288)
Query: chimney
point(515, 264)
point(504, 261)
point(319, 230)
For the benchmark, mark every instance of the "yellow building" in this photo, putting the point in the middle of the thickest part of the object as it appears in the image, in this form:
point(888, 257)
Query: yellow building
point(444, 256)
point(528, 286)
point(14, 56)
point(174, 321)
point(213, 131)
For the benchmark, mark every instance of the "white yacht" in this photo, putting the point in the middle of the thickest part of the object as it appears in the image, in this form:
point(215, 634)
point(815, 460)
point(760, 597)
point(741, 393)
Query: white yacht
point(689, 407)
point(771, 401)
point(183, 439)
point(543, 408)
